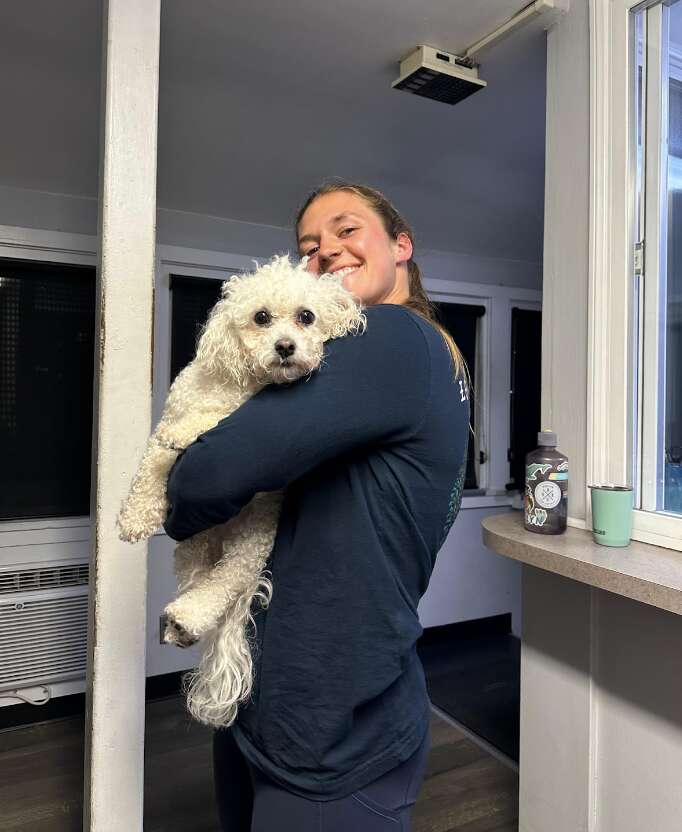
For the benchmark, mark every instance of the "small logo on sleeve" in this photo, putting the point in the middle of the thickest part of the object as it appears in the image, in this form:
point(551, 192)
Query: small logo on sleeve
point(463, 391)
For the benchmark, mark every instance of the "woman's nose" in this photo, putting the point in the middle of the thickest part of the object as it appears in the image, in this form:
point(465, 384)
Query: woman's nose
point(327, 254)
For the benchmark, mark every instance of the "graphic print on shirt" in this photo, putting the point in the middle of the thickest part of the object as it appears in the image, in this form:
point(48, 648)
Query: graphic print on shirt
point(458, 486)
point(455, 502)
point(463, 391)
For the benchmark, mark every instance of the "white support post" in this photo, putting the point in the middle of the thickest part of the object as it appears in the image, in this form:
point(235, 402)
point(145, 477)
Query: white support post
point(122, 413)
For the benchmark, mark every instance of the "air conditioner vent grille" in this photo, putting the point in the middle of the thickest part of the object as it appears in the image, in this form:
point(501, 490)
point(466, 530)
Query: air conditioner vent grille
point(53, 651)
point(34, 580)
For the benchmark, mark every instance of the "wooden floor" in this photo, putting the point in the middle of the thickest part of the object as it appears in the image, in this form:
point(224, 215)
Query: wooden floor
point(41, 779)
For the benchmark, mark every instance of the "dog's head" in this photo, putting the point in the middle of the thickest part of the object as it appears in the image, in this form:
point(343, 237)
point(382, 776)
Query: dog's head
point(271, 324)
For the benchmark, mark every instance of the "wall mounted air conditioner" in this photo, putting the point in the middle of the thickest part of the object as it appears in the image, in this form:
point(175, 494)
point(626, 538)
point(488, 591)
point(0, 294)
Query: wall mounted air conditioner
point(43, 624)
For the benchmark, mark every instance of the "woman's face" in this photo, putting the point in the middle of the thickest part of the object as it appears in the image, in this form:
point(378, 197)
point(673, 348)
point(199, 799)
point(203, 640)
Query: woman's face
point(341, 233)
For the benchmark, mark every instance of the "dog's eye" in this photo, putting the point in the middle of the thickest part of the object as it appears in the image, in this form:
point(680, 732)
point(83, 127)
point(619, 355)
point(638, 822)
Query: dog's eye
point(262, 317)
point(306, 317)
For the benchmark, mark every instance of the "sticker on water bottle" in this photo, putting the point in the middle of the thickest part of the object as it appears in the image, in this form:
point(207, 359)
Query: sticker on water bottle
point(547, 494)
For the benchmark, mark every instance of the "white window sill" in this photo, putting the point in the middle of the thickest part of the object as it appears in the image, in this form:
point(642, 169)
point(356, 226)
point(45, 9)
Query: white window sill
point(485, 500)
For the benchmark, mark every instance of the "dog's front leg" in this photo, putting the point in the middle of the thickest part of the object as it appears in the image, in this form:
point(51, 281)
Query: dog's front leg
point(179, 434)
point(146, 506)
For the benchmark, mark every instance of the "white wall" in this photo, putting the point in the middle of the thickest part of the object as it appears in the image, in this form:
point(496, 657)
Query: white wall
point(78, 215)
point(469, 581)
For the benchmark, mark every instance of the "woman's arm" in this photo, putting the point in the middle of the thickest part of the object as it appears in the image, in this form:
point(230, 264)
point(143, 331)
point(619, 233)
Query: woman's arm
point(371, 388)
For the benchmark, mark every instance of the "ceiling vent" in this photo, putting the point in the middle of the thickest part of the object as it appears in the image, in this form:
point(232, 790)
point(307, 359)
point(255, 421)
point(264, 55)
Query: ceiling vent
point(437, 75)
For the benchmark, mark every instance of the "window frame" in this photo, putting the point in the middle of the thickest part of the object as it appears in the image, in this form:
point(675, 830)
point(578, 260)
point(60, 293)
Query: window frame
point(57, 538)
point(611, 339)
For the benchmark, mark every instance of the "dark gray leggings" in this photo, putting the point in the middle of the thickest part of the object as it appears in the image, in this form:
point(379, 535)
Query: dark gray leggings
point(250, 802)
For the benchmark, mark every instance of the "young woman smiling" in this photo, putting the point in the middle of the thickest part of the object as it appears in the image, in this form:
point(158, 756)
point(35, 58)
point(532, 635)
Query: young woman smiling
point(371, 453)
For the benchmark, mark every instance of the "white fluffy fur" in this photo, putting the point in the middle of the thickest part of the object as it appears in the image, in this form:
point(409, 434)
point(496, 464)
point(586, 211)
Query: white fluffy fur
point(220, 571)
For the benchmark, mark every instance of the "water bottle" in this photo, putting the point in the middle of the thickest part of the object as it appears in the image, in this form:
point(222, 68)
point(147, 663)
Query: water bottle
point(545, 500)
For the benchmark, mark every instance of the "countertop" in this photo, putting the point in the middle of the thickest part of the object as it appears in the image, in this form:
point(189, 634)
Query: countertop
point(651, 574)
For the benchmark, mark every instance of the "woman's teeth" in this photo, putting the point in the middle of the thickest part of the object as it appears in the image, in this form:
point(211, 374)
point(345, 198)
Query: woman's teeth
point(347, 270)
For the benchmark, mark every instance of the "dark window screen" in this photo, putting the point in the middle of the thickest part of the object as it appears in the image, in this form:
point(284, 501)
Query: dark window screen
point(525, 390)
point(47, 317)
point(192, 298)
point(461, 321)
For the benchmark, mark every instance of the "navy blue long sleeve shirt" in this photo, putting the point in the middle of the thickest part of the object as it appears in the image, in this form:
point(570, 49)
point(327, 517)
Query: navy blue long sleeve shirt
point(370, 451)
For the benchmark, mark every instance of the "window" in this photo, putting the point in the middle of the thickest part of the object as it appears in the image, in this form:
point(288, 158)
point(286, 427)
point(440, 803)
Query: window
point(461, 321)
point(657, 457)
point(635, 335)
point(47, 317)
point(524, 404)
point(192, 298)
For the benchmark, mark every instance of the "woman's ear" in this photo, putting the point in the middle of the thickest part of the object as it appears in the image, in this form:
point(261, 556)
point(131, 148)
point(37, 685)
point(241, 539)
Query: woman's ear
point(403, 248)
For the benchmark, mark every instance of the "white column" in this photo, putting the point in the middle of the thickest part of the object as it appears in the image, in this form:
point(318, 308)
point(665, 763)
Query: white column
point(122, 412)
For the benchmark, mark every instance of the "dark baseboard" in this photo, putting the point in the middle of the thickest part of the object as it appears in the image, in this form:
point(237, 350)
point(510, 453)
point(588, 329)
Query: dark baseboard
point(15, 716)
point(500, 624)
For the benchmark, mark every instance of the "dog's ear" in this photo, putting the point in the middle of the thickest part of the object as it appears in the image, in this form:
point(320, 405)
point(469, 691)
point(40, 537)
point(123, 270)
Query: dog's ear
point(219, 349)
point(342, 311)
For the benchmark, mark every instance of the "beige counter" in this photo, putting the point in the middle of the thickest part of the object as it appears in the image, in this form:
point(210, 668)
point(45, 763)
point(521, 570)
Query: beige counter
point(639, 571)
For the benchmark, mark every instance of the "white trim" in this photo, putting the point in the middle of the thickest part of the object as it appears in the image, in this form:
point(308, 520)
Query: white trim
point(486, 501)
point(577, 523)
point(612, 203)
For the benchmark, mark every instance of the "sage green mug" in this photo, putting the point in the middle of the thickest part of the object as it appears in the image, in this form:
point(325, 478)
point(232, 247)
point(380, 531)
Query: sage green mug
point(611, 514)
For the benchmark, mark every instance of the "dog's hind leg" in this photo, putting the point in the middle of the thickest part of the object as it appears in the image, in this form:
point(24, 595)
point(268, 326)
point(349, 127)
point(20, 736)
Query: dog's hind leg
point(245, 551)
point(193, 559)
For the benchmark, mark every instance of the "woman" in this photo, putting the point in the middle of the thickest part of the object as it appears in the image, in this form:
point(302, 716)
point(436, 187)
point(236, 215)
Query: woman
point(371, 450)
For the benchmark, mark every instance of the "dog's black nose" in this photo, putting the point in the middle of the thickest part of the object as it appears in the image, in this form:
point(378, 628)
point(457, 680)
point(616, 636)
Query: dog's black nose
point(285, 348)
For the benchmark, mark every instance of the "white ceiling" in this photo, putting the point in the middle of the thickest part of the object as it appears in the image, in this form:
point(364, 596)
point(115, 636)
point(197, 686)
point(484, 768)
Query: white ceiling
point(259, 100)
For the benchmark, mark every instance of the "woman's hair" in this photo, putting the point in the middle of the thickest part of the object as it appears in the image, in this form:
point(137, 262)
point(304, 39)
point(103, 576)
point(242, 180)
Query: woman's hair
point(394, 224)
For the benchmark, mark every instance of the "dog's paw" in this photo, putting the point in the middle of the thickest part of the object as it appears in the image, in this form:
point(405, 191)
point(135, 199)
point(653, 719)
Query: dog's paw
point(175, 437)
point(134, 532)
point(176, 634)
point(139, 520)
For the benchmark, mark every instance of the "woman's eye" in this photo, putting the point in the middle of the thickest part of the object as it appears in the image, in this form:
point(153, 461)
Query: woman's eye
point(262, 317)
point(310, 252)
point(348, 230)
point(306, 317)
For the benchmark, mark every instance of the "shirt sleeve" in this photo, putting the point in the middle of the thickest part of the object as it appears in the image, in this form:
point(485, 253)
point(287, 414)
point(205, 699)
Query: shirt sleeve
point(371, 388)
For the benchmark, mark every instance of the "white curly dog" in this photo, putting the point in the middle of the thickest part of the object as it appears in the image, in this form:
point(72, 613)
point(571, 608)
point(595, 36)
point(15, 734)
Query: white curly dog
point(268, 327)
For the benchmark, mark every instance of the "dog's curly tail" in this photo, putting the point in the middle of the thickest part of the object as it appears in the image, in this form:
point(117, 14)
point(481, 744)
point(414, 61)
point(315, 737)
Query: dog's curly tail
point(224, 677)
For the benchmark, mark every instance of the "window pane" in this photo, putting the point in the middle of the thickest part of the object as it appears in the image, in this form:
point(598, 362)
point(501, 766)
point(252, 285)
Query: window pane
point(660, 364)
point(47, 315)
point(192, 298)
point(524, 405)
point(461, 321)
point(671, 419)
